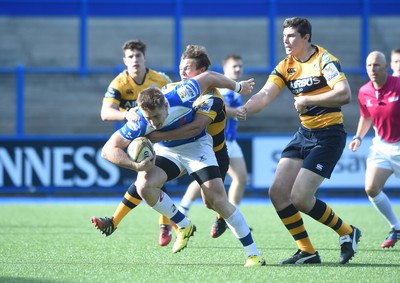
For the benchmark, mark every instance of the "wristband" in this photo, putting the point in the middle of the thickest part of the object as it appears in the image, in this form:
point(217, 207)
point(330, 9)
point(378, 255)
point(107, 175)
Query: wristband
point(357, 138)
point(238, 87)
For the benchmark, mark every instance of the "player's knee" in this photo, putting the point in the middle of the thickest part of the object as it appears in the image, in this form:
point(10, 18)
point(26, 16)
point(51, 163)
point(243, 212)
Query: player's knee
point(372, 191)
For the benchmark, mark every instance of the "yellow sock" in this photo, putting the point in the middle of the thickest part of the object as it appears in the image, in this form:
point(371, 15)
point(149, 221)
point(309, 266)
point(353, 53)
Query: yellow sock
point(324, 214)
point(125, 206)
point(163, 220)
point(293, 221)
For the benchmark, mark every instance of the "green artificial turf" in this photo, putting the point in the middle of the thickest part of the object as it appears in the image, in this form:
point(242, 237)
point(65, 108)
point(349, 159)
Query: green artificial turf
point(58, 243)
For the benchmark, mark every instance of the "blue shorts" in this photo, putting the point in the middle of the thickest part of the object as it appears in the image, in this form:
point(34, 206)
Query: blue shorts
point(320, 149)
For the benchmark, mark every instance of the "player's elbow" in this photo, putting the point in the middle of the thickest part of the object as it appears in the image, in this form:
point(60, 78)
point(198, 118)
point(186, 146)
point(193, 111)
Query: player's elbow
point(345, 98)
point(104, 116)
point(104, 153)
point(345, 93)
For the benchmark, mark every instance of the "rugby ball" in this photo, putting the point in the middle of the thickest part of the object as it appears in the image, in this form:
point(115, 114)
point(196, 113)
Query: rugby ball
point(139, 149)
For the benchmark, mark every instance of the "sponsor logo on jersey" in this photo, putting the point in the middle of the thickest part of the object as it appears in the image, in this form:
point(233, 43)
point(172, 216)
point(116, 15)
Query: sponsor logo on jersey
point(291, 70)
point(129, 91)
point(134, 125)
point(315, 66)
point(297, 86)
point(129, 104)
point(330, 72)
point(110, 93)
point(182, 121)
point(205, 106)
point(393, 99)
point(325, 58)
point(185, 93)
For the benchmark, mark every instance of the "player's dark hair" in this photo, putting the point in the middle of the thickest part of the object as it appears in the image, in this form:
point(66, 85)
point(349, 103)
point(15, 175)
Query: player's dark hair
point(231, 56)
point(396, 50)
point(150, 99)
point(302, 25)
point(134, 44)
point(199, 54)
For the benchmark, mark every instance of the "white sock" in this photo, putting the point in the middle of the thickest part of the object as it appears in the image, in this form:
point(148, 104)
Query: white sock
point(237, 224)
point(383, 205)
point(166, 207)
point(185, 205)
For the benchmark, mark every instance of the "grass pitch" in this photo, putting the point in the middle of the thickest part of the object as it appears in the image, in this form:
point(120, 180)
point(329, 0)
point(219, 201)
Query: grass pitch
point(58, 243)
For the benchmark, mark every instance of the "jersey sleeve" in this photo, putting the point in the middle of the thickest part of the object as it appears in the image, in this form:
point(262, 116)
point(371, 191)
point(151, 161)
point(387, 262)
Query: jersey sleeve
point(231, 98)
point(134, 129)
point(277, 77)
point(165, 76)
point(331, 69)
point(183, 94)
point(112, 95)
point(209, 105)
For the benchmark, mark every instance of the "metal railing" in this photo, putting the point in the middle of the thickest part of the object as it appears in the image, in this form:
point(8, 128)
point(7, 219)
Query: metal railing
point(178, 10)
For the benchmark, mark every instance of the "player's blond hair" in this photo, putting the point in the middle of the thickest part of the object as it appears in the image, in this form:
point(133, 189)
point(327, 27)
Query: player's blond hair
point(150, 99)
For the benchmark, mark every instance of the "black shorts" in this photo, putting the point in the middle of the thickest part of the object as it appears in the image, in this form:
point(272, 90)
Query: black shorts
point(320, 149)
point(223, 161)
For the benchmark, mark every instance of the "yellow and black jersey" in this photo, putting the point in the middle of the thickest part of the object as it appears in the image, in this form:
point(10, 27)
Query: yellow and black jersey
point(124, 91)
point(315, 76)
point(211, 104)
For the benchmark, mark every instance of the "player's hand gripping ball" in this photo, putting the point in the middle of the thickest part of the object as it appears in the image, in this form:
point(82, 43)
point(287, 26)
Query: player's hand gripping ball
point(140, 148)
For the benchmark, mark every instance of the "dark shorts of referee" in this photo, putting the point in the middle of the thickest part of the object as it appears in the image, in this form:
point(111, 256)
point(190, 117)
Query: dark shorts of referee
point(319, 148)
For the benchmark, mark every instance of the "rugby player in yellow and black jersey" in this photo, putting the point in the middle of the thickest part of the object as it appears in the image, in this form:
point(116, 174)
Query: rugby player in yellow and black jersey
point(124, 89)
point(120, 97)
point(211, 116)
point(320, 88)
point(211, 105)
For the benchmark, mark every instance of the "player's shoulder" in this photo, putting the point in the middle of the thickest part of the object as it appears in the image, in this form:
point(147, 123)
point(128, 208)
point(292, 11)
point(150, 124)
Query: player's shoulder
point(169, 88)
point(324, 55)
point(191, 84)
point(153, 74)
point(120, 80)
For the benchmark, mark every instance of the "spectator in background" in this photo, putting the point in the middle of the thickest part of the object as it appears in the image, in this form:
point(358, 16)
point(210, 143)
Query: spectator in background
point(379, 101)
point(395, 62)
point(233, 69)
point(120, 97)
point(320, 88)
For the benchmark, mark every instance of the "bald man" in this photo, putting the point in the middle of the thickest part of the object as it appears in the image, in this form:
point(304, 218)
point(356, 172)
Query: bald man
point(379, 101)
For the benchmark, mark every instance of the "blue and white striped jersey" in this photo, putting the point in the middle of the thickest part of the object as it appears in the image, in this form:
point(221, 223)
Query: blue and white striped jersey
point(180, 112)
point(231, 99)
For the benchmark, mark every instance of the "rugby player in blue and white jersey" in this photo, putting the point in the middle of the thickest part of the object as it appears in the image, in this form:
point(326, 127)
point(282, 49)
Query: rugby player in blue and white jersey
point(174, 158)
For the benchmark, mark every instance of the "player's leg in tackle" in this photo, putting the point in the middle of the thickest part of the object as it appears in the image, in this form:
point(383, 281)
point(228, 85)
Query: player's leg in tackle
point(216, 199)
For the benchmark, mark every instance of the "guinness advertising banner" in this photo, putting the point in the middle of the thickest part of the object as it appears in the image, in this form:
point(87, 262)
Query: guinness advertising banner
point(75, 165)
